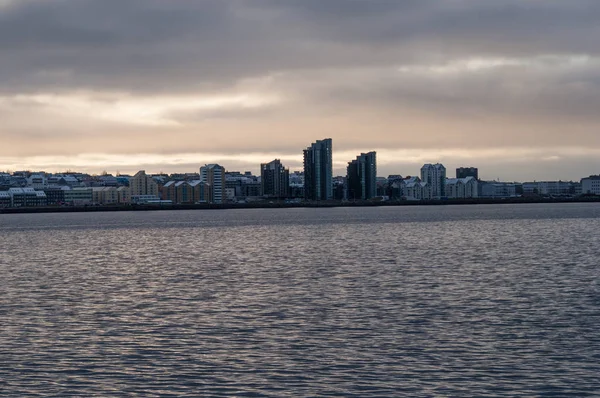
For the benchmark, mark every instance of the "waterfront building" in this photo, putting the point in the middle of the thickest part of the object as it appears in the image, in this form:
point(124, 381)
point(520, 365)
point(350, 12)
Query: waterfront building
point(590, 185)
point(148, 199)
point(26, 197)
point(198, 190)
point(435, 176)
point(464, 172)
point(244, 185)
point(5, 199)
point(184, 193)
point(168, 191)
point(124, 195)
point(79, 196)
point(55, 195)
point(461, 188)
point(493, 189)
point(213, 176)
point(549, 188)
point(415, 189)
point(105, 195)
point(318, 171)
point(143, 184)
point(362, 177)
point(274, 180)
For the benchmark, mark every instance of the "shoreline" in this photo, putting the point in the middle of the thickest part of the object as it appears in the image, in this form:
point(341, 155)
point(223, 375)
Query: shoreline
point(278, 205)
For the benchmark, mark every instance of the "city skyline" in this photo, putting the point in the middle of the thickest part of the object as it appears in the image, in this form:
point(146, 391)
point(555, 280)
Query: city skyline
point(507, 86)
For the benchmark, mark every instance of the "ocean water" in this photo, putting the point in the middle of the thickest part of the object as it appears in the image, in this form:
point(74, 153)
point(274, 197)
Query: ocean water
point(487, 300)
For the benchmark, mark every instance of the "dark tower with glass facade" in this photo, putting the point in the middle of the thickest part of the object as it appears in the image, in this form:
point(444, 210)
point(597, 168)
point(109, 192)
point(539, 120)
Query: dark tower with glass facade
point(318, 171)
point(362, 177)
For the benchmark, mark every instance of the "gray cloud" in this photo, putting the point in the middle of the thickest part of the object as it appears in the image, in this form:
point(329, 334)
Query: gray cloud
point(369, 73)
point(188, 45)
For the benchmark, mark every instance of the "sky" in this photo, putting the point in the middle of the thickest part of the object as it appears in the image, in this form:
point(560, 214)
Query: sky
point(509, 86)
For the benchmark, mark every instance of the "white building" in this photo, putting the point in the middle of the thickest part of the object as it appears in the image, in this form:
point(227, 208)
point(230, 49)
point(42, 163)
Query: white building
point(415, 189)
point(498, 190)
point(435, 176)
point(590, 185)
point(26, 197)
point(461, 188)
point(551, 188)
point(79, 196)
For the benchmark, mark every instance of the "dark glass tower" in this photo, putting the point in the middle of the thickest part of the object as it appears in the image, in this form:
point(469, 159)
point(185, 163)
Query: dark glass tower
point(274, 179)
point(362, 177)
point(318, 171)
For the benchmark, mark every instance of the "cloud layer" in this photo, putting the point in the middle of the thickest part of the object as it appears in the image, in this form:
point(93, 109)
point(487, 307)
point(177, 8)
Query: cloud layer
point(459, 81)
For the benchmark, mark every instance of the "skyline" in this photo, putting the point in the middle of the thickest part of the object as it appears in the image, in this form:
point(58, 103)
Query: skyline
point(509, 87)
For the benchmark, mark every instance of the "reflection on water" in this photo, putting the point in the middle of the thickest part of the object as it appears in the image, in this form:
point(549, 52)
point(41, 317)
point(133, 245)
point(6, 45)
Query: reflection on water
point(419, 301)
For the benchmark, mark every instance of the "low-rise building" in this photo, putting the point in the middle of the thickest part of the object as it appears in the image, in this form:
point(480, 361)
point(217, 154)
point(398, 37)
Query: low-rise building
point(124, 195)
point(5, 199)
point(79, 196)
point(590, 185)
point(27, 197)
point(549, 188)
point(415, 189)
point(105, 195)
point(493, 189)
point(461, 188)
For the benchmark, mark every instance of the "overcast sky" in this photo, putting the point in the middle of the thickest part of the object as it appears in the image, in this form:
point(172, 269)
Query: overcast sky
point(509, 86)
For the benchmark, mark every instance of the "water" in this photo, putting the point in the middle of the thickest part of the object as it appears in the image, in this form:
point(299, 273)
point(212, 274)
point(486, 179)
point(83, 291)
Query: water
point(400, 301)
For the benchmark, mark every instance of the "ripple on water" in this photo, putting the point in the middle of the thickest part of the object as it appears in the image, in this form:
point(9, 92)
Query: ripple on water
point(420, 301)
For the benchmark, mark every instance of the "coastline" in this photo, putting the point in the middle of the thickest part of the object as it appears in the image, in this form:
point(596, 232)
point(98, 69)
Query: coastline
point(281, 204)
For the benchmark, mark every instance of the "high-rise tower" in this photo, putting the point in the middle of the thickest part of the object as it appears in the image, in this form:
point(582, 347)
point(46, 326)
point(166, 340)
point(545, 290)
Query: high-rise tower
point(318, 171)
point(362, 177)
point(274, 179)
point(214, 176)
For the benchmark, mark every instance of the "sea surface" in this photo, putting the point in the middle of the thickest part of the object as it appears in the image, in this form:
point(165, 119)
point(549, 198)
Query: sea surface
point(484, 300)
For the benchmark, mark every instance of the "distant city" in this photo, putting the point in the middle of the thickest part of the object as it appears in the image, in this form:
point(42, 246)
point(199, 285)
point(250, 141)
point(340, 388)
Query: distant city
point(213, 184)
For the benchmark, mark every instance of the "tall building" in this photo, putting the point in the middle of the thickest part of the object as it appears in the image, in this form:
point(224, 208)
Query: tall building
point(142, 184)
point(435, 176)
point(464, 172)
point(362, 177)
point(318, 171)
point(214, 176)
point(274, 179)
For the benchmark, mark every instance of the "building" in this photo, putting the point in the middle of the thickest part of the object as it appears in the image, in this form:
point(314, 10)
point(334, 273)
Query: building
point(297, 184)
point(142, 184)
point(105, 195)
point(435, 176)
point(415, 189)
point(5, 199)
point(590, 185)
point(361, 177)
point(37, 181)
point(462, 188)
point(493, 189)
point(318, 171)
point(124, 195)
point(464, 172)
point(26, 197)
point(274, 180)
point(55, 195)
point(79, 196)
point(549, 188)
point(213, 176)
